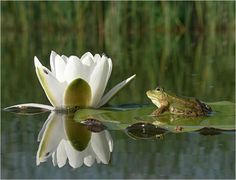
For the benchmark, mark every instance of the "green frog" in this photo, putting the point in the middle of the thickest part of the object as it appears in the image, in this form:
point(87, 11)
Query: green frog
point(177, 105)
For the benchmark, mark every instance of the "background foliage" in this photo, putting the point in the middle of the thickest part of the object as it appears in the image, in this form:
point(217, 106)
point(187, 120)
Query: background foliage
point(186, 47)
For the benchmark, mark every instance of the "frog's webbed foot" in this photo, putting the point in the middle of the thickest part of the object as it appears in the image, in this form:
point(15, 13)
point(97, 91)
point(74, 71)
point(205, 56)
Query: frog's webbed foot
point(159, 111)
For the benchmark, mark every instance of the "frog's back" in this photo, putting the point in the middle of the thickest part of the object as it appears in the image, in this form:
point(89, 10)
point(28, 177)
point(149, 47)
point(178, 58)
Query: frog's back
point(187, 101)
point(192, 106)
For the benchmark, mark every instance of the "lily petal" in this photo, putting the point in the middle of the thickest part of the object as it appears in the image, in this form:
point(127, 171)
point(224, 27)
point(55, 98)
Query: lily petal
point(98, 160)
point(65, 58)
point(53, 89)
point(52, 62)
point(110, 69)
point(96, 58)
point(77, 93)
point(87, 54)
point(40, 135)
point(50, 139)
point(114, 91)
point(87, 59)
point(75, 157)
point(100, 146)
point(110, 140)
point(89, 160)
point(29, 108)
point(54, 159)
point(89, 156)
point(61, 154)
point(98, 80)
point(76, 69)
point(60, 68)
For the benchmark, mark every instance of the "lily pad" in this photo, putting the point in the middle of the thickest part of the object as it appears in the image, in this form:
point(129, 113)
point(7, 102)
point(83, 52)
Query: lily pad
point(222, 118)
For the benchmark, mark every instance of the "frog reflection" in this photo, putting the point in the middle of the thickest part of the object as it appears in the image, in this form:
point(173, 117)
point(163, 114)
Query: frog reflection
point(63, 138)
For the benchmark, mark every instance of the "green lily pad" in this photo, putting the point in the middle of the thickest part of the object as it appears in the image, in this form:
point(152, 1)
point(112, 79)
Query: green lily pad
point(78, 93)
point(222, 118)
point(77, 133)
point(88, 113)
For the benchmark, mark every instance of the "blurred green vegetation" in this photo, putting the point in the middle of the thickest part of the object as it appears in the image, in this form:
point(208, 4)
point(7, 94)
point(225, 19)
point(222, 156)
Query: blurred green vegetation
point(186, 47)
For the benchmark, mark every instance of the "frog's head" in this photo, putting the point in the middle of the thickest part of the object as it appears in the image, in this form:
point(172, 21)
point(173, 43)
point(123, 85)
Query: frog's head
point(157, 96)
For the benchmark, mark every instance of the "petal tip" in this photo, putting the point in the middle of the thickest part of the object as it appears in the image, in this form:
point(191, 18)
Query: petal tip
point(131, 78)
point(87, 54)
point(37, 161)
point(9, 108)
point(6, 108)
point(37, 62)
point(114, 90)
point(53, 54)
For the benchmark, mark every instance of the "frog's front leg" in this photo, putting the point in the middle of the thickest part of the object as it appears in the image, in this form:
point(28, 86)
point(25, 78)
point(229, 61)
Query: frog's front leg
point(160, 110)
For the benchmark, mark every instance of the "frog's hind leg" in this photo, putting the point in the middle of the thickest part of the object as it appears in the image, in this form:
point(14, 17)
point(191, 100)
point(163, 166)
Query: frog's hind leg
point(159, 110)
point(180, 109)
point(192, 113)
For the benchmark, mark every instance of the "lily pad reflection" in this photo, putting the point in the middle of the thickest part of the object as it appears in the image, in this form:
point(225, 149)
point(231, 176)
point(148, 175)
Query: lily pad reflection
point(213, 131)
point(144, 131)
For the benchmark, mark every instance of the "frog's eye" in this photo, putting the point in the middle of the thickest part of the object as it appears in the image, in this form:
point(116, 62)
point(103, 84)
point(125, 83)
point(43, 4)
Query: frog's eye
point(158, 89)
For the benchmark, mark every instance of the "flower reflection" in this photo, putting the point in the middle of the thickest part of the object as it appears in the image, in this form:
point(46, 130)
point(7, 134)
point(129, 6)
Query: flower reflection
point(64, 139)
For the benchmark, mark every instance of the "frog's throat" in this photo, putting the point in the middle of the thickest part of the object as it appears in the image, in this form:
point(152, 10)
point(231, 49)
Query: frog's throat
point(156, 102)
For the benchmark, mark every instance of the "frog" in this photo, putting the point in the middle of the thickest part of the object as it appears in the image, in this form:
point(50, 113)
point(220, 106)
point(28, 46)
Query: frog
point(178, 105)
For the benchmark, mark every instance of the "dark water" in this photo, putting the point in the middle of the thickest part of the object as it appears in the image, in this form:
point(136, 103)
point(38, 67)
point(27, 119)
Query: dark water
point(186, 47)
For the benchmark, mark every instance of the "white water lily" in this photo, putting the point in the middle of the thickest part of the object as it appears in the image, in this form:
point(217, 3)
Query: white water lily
point(75, 81)
point(59, 141)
